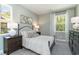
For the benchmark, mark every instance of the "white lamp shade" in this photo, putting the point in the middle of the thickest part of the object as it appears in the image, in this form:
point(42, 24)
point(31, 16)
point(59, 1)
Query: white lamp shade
point(37, 26)
point(75, 20)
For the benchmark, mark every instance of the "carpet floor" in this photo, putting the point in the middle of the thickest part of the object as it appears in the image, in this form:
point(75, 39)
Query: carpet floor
point(60, 48)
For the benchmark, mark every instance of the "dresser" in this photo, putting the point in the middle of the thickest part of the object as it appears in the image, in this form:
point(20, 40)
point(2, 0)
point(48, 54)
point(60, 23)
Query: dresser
point(12, 44)
point(74, 42)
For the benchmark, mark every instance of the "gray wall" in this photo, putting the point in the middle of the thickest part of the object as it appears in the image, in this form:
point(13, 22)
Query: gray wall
point(44, 22)
point(77, 10)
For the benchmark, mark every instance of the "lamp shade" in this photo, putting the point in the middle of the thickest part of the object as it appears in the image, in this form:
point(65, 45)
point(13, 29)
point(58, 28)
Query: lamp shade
point(75, 23)
point(37, 26)
point(75, 20)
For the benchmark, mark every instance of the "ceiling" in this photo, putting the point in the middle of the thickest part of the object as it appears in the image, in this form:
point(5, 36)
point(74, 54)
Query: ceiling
point(40, 9)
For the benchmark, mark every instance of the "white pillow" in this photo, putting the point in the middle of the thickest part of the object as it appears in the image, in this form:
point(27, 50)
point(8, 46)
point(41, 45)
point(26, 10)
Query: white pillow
point(24, 34)
point(29, 34)
point(35, 35)
point(32, 34)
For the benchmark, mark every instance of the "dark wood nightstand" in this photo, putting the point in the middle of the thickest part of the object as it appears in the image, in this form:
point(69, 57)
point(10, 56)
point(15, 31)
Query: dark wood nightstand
point(12, 44)
point(39, 33)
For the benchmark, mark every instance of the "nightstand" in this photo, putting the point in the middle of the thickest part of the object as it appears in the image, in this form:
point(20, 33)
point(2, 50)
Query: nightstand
point(12, 44)
point(39, 33)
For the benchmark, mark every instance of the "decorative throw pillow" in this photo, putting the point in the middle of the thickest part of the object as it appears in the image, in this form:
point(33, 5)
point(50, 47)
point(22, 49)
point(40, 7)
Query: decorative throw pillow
point(32, 34)
point(23, 33)
point(29, 34)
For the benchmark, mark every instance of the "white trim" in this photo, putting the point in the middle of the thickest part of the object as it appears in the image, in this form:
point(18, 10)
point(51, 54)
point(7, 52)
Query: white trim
point(67, 25)
point(60, 31)
point(54, 23)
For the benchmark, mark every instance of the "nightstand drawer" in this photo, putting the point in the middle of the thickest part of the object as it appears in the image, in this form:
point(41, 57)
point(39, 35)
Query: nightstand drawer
point(12, 44)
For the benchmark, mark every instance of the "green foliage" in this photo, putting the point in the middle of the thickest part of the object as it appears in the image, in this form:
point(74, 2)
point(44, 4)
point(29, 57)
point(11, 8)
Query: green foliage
point(60, 24)
point(6, 15)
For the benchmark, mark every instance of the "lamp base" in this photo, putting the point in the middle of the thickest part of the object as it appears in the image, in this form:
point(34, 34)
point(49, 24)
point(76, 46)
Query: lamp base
point(39, 33)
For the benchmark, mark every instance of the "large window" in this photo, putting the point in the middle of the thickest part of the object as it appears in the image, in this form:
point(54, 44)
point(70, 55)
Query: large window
point(60, 23)
point(5, 16)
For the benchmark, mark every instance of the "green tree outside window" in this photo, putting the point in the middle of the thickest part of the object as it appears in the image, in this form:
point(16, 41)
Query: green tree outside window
point(60, 23)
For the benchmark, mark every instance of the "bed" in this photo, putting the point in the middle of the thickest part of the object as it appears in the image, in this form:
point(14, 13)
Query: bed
point(41, 44)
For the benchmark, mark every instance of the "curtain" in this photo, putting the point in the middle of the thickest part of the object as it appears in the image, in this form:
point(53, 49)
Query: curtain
point(70, 13)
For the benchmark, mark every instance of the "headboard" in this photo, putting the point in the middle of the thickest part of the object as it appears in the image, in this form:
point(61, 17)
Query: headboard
point(24, 27)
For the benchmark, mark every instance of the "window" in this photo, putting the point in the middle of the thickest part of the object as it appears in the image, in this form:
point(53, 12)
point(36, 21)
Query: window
point(5, 16)
point(3, 27)
point(60, 23)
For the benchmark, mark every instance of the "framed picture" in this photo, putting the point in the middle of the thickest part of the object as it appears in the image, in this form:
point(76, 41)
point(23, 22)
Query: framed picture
point(25, 19)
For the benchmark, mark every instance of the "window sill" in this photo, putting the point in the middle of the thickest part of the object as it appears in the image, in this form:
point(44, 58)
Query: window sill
point(60, 31)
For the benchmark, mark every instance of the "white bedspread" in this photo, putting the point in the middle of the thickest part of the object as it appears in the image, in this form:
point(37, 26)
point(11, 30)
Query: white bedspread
point(38, 44)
